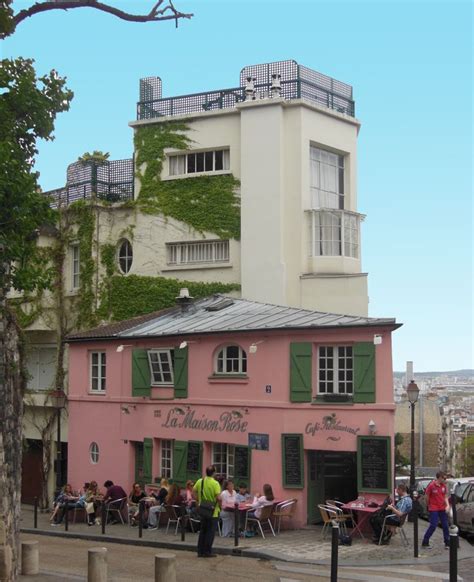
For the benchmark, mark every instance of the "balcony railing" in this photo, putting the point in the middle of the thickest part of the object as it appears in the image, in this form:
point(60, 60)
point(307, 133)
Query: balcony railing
point(297, 82)
point(110, 181)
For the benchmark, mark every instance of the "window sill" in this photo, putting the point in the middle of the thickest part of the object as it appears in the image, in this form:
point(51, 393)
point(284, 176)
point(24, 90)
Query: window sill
point(97, 392)
point(228, 379)
point(196, 175)
point(333, 399)
point(195, 266)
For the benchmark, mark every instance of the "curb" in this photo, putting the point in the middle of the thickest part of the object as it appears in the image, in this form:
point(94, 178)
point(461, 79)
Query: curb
point(243, 551)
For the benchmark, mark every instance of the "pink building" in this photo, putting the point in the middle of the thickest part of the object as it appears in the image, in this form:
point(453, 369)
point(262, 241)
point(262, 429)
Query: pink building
point(299, 399)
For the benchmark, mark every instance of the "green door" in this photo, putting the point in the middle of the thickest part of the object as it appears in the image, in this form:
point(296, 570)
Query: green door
point(315, 485)
point(139, 459)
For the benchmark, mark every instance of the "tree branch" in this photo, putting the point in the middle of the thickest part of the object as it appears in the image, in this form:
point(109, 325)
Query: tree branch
point(156, 14)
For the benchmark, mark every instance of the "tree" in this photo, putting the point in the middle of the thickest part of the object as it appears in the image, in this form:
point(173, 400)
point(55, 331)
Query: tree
point(401, 462)
point(465, 456)
point(28, 109)
point(159, 11)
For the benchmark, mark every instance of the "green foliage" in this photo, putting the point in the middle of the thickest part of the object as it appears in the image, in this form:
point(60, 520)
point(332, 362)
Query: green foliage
point(7, 26)
point(207, 203)
point(136, 295)
point(108, 254)
point(465, 456)
point(28, 109)
point(96, 157)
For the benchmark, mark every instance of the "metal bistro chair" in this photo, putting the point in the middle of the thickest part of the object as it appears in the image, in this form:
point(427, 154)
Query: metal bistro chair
point(82, 511)
point(342, 517)
point(329, 514)
point(265, 518)
point(392, 528)
point(284, 509)
point(117, 506)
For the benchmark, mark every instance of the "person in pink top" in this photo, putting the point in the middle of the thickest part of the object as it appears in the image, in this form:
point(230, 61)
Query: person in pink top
point(229, 499)
point(438, 505)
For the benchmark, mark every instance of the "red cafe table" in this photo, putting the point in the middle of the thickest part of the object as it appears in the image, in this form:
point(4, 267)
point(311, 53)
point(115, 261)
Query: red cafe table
point(363, 512)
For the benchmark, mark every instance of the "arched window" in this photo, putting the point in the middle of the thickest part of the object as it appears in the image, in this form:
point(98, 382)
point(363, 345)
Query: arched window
point(94, 453)
point(125, 256)
point(231, 360)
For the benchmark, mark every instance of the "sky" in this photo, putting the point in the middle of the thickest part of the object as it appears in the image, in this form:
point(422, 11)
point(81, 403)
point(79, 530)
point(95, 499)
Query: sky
point(410, 64)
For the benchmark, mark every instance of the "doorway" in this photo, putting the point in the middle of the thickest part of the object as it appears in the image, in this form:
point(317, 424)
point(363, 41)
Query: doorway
point(331, 475)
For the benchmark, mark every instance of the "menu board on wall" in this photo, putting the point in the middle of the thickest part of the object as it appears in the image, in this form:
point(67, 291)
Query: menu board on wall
point(374, 468)
point(193, 462)
point(292, 460)
point(242, 462)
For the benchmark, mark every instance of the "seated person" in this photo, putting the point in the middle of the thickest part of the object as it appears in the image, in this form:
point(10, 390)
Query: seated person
point(136, 495)
point(158, 508)
point(403, 506)
point(228, 499)
point(113, 494)
point(243, 496)
point(261, 501)
point(187, 495)
point(67, 497)
point(93, 502)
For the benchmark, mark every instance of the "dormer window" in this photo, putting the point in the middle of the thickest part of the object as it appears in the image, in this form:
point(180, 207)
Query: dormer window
point(199, 162)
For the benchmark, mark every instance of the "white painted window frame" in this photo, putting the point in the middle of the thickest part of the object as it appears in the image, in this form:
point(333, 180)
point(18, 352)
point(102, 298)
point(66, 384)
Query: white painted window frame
point(344, 386)
point(75, 266)
point(94, 453)
point(127, 257)
point(226, 455)
point(101, 374)
point(346, 241)
point(157, 376)
point(179, 163)
point(166, 458)
point(198, 252)
point(241, 361)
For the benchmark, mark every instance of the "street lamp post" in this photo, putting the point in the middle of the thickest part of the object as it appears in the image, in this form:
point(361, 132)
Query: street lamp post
point(58, 398)
point(412, 394)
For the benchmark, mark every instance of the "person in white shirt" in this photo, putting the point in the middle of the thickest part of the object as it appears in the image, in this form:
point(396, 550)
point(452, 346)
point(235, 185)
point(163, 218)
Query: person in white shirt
point(261, 501)
point(228, 499)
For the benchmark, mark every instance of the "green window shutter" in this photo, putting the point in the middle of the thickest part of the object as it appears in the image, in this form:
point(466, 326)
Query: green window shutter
point(242, 464)
point(147, 459)
point(292, 465)
point(364, 372)
point(181, 372)
point(180, 457)
point(141, 380)
point(139, 463)
point(194, 460)
point(301, 372)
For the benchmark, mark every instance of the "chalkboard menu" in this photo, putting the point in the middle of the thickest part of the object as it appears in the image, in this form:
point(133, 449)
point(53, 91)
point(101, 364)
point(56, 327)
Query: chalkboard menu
point(242, 462)
point(292, 462)
point(374, 464)
point(193, 463)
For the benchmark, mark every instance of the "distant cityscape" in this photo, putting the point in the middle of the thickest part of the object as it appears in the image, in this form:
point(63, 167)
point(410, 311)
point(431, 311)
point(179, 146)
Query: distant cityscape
point(444, 418)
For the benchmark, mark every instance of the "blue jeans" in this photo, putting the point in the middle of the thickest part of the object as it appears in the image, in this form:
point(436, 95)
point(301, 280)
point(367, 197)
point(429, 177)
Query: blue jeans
point(435, 517)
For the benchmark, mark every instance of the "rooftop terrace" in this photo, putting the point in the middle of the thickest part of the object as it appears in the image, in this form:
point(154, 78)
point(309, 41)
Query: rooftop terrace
point(286, 79)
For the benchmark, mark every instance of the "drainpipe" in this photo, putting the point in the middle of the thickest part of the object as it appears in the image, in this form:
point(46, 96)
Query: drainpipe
point(420, 419)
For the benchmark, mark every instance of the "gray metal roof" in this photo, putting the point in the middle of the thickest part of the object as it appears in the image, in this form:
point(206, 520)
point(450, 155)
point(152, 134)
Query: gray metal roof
point(218, 314)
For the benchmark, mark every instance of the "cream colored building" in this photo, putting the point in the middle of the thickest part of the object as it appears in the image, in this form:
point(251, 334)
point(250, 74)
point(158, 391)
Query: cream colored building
point(289, 136)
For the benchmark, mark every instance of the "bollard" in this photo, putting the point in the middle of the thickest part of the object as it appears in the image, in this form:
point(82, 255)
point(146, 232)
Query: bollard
point(165, 568)
point(182, 522)
point(454, 500)
point(236, 524)
point(66, 517)
point(29, 558)
point(103, 513)
point(97, 565)
point(415, 512)
point(453, 553)
point(35, 513)
point(140, 518)
point(334, 550)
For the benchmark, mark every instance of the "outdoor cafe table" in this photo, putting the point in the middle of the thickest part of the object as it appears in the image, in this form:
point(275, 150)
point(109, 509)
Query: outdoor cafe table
point(363, 512)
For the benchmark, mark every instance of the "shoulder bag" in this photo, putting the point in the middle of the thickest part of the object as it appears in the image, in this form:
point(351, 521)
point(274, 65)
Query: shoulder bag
point(205, 508)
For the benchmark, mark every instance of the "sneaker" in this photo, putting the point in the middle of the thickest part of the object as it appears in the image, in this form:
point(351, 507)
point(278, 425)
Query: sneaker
point(427, 545)
point(446, 546)
point(54, 524)
point(152, 527)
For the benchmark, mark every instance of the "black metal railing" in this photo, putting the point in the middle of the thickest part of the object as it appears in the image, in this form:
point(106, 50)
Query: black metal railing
point(297, 82)
point(110, 181)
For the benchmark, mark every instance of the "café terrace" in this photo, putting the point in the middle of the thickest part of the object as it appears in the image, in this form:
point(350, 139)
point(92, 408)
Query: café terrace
point(299, 399)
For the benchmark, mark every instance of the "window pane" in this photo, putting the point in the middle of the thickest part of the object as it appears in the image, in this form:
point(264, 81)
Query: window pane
point(208, 161)
point(191, 163)
point(219, 163)
point(200, 162)
point(226, 156)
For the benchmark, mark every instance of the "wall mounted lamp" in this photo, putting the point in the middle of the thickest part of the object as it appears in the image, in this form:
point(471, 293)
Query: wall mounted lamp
point(125, 408)
point(253, 347)
point(377, 339)
point(120, 348)
point(372, 427)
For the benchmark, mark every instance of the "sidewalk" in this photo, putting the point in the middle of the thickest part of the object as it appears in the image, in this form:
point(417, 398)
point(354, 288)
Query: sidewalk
point(304, 546)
